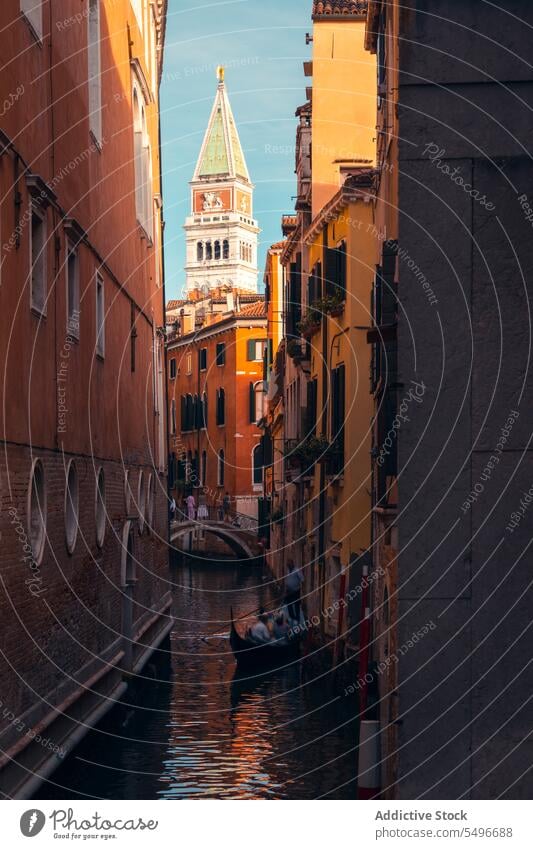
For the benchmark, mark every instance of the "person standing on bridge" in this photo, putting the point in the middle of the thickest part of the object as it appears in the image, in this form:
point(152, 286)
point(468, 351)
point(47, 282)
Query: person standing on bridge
point(203, 512)
point(226, 506)
point(191, 506)
point(172, 509)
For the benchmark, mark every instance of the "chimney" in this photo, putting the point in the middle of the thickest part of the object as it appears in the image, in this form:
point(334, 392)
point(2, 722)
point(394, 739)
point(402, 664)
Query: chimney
point(230, 301)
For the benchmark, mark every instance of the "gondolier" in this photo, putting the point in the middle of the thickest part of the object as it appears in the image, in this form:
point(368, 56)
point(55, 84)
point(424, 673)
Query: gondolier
point(293, 583)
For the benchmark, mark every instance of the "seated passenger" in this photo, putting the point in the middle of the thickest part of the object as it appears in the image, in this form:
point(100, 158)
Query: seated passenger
point(259, 632)
point(281, 629)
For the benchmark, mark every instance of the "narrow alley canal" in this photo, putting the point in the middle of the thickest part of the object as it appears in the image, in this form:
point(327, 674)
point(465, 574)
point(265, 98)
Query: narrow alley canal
point(197, 731)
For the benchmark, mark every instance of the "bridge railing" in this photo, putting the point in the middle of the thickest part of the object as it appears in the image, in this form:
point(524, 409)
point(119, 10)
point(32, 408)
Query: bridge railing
point(216, 513)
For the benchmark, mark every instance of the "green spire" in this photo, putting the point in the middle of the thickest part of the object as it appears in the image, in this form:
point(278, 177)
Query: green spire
point(221, 152)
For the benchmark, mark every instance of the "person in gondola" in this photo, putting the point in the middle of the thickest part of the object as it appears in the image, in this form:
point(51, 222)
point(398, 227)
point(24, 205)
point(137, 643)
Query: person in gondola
point(280, 629)
point(259, 631)
point(293, 583)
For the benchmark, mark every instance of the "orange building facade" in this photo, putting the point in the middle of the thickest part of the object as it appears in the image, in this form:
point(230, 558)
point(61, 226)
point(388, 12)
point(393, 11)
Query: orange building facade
point(216, 399)
point(84, 525)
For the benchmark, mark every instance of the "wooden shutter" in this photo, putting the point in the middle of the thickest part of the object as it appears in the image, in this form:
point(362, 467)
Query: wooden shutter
point(251, 350)
point(251, 403)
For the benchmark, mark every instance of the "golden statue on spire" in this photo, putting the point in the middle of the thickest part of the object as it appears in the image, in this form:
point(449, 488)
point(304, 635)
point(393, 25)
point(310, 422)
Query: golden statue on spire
point(220, 73)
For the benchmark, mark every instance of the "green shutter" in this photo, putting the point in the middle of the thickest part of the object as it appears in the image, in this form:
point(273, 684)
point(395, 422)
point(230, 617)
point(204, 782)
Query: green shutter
point(251, 350)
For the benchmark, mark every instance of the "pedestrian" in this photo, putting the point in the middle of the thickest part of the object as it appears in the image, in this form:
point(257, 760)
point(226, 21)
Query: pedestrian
point(191, 506)
point(203, 512)
point(226, 506)
point(293, 583)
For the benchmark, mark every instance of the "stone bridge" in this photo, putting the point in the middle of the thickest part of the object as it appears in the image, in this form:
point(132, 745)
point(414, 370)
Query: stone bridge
point(241, 537)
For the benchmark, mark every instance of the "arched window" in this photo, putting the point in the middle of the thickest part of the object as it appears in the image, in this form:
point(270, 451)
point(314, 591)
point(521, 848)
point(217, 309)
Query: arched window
point(141, 501)
point(217, 249)
point(256, 401)
point(225, 249)
point(100, 509)
point(204, 410)
point(221, 467)
point(195, 470)
point(199, 251)
point(128, 565)
point(72, 503)
point(204, 468)
point(150, 503)
point(37, 511)
point(208, 251)
point(221, 407)
point(257, 465)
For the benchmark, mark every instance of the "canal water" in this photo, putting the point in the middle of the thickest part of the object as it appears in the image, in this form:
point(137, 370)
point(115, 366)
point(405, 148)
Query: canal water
point(192, 729)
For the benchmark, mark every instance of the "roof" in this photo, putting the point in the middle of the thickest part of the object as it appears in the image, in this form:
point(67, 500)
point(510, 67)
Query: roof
point(174, 305)
point(257, 310)
point(221, 153)
point(339, 8)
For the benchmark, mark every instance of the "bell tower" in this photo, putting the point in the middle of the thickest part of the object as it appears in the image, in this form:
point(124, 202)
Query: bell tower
point(221, 231)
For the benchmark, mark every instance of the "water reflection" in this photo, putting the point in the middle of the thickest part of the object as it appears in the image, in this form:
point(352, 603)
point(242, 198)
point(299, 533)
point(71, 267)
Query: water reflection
point(200, 731)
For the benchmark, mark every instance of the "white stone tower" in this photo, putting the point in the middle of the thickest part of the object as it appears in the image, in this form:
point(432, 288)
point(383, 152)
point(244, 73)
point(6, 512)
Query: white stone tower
point(221, 231)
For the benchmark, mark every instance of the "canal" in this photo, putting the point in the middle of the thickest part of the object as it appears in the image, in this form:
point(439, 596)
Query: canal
point(191, 729)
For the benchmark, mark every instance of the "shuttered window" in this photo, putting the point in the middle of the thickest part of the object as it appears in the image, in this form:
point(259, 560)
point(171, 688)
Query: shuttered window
point(336, 270)
point(221, 407)
point(338, 413)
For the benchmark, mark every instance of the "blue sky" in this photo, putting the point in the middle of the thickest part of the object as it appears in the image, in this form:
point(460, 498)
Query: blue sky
point(262, 44)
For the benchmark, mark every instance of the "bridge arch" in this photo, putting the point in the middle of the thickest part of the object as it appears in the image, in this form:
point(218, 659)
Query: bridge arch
point(234, 537)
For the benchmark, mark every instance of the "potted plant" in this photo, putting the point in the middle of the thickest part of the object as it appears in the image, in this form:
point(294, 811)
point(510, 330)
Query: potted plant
point(294, 350)
point(310, 322)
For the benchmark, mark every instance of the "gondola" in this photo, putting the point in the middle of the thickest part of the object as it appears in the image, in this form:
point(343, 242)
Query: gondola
point(251, 655)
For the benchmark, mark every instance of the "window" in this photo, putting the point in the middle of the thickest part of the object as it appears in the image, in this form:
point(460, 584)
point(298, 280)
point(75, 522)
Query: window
point(73, 291)
point(72, 499)
point(33, 12)
point(256, 349)
point(38, 260)
point(204, 420)
point(221, 407)
point(188, 361)
point(257, 465)
point(225, 249)
point(142, 164)
point(203, 359)
point(150, 504)
point(221, 471)
point(141, 501)
point(338, 408)
point(336, 271)
point(173, 368)
point(100, 316)
point(100, 508)
point(37, 511)
point(208, 251)
point(199, 252)
point(221, 353)
point(203, 472)
point(95, 71)
point(173, 417)
point(217, 250)
point(127, 493)
point(256, 401)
